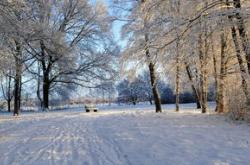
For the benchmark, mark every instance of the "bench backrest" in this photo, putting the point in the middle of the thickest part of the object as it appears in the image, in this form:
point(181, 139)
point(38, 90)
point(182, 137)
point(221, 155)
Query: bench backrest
point(90, 106)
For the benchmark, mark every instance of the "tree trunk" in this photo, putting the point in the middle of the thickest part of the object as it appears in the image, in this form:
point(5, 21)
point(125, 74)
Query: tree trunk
point(203, 83)
point(221, 90)
point(151, 67)
point(246, 48)
point(215, 77)
point(176, 7)
point(9, 104)
point(198, 88)
point(46, 79)
point(38, 94)
point(18, 75)
point(109, 99)
point(195, 91)
point(157, 97)
point(150, 101)
point(177, 80)
point(243, 70)
point(203, 76)
point(204, 90)
point(243, 35)
point(46, 89)
point(10, 92)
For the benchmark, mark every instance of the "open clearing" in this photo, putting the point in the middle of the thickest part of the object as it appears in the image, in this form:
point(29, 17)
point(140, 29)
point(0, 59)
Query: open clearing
point(124, 137)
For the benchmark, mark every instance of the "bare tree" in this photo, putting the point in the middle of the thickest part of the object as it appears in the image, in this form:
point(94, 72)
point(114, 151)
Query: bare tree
point(7, 88)
point(78, 29)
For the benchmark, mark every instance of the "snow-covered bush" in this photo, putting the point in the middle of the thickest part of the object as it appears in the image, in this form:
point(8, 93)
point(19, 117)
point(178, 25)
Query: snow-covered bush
point(237, 105)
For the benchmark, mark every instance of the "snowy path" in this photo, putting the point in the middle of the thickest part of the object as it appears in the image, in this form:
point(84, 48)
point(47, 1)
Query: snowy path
point(122, 138)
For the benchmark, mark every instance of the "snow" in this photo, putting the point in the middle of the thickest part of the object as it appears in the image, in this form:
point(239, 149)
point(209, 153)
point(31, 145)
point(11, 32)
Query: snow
point(147, 106)
point(124, 137)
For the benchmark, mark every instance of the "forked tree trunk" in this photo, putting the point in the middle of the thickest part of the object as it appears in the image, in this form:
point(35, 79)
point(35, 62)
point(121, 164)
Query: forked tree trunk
point(151, 67)
point(46, 68)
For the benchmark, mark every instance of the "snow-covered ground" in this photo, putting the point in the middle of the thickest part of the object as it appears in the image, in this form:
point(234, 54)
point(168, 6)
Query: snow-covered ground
point(137, 136)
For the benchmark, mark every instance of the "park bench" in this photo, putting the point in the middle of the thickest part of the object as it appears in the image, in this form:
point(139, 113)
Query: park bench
point(91, 108)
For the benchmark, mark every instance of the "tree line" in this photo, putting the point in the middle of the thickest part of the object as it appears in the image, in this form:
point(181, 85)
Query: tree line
point(202, 42)
point(139, 90)
point(54, 46)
